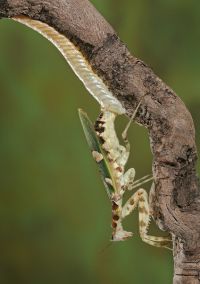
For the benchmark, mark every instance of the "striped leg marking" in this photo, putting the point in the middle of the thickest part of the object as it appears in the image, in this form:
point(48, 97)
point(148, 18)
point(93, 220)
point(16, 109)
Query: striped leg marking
point(140, 199)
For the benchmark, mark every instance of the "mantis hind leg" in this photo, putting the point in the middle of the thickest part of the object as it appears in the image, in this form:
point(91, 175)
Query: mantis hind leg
point(140, 199)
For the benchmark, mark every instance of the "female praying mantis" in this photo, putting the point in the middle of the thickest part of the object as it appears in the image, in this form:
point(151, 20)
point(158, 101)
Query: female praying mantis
point(110, 156)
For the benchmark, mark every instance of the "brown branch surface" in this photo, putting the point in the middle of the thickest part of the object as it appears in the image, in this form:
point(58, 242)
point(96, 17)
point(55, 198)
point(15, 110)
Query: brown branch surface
point(175, 200)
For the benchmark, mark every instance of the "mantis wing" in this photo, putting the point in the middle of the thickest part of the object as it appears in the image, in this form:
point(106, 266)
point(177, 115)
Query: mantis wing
point(95, 146)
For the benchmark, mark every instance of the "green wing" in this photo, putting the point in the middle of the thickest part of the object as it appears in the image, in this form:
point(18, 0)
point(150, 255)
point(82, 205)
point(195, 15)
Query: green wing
point(94, 144)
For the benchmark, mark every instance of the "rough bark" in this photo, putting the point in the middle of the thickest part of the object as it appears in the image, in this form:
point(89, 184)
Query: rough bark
point(175, 200)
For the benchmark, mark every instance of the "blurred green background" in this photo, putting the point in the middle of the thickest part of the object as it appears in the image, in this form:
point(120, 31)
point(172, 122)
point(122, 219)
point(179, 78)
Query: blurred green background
point(54, 213)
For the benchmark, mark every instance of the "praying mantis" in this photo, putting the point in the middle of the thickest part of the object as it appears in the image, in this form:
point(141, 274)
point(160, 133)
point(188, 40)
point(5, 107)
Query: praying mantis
point(111, 158)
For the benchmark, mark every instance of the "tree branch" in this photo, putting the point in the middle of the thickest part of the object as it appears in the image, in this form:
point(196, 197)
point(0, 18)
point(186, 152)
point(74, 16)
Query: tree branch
point(175, 200)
